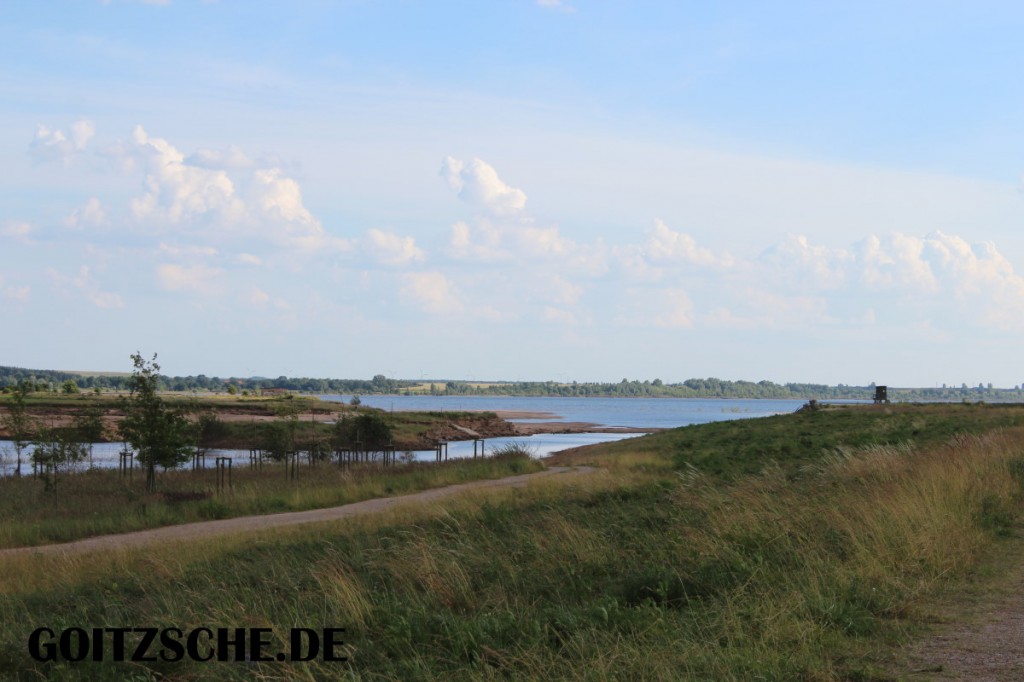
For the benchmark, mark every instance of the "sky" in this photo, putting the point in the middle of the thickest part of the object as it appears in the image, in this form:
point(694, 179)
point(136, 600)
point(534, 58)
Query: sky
point(567, 190)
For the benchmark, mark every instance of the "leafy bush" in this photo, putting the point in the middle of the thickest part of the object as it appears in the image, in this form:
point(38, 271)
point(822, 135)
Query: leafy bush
point(516, 450)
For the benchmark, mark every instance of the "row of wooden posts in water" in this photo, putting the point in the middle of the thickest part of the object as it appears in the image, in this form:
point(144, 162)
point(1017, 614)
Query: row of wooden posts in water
point(343, 457)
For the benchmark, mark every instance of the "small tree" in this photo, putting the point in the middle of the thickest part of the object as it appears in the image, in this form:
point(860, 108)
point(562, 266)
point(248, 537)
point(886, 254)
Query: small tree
point(370, 429)
point(279, 440)
point(69, 387)
point(280, 436)
point(158, 433)
point(88, 427)
point(19, 423)
point(55, 449)
point(207, 430)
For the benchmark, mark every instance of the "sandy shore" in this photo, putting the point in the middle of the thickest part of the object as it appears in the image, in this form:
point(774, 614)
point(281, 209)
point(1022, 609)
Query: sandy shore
point(512, 414)
point(506, 427)
point(574, 427)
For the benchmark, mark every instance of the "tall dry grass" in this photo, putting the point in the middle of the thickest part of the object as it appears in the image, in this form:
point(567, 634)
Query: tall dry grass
point(626, 574)
point(798, 568)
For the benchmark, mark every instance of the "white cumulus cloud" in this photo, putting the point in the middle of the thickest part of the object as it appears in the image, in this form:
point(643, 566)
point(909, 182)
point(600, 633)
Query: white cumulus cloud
point(478, 184)
point(51, 144)
point(432, 292)
point(176, 191)
point(17, 230)
point(84, 285)
point(799, 264)
point(15, 293)
point(392, 249)
point(937, 272)
point(479, 242)
point(559, 316)
point(221, 196)
point(677, 310)
point(895, 262)
point(192, 279)
point(666, 245)
point(231, 158)
point(248, 259)
point(89, 214)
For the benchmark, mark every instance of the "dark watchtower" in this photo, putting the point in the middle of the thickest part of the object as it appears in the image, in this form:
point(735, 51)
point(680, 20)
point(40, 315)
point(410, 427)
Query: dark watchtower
point(881, 395)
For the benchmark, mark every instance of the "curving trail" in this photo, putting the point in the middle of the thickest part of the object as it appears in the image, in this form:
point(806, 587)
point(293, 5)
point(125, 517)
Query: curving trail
point(980, 636)
point(987, 647)
point(205, 529)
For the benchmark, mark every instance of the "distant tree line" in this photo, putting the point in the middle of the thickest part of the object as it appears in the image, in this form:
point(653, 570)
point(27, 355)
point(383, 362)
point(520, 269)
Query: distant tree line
point(720, 388)
point(711, 387)
point(55, 381)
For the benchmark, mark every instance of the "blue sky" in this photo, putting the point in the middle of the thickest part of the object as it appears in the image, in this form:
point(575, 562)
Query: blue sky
point(522, 189)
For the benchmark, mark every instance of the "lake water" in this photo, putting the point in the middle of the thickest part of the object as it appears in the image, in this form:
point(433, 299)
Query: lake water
point(608, 412)
point(623, 412)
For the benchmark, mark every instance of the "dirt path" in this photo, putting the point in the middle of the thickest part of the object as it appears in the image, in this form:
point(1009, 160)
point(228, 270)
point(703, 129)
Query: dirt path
point(247, 523)
point(982, 638)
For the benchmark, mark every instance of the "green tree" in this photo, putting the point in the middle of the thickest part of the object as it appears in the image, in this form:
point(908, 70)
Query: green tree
point(69, 387)
point(279, 441)
point(207, 430)
point(19, 423)
point(88, 427)
point(370, 428)
point(54, 449)
point(158, 433)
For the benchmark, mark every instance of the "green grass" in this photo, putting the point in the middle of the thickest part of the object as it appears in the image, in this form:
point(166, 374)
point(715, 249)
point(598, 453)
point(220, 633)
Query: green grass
point(652, 569)
point(735, 448)
point(100, 501)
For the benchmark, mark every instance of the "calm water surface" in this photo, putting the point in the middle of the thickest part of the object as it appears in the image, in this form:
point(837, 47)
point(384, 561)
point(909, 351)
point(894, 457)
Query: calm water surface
point(626, 412)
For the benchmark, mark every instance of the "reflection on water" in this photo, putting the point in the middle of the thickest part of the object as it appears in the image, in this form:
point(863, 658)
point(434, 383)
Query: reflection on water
point(106, 455)
point(541, 445)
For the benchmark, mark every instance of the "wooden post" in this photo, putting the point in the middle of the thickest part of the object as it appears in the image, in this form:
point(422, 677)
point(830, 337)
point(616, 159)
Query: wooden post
point(125, 464)
point(223, 474)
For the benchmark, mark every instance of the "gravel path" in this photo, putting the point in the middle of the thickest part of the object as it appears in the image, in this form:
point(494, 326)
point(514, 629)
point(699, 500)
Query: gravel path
point(988, 649)
point(247, 523)
point(983, 636)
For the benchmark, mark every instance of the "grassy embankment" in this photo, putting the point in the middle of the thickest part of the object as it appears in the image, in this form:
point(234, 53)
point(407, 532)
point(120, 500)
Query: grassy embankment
point(673, 562)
